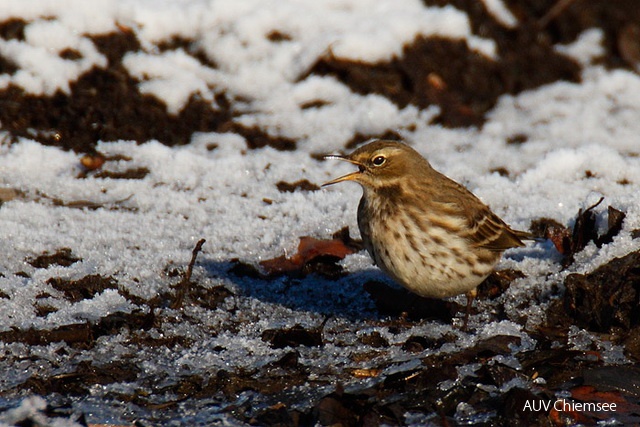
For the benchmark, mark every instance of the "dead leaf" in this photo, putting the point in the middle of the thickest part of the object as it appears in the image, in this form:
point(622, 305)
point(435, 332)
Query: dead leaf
point(132, 173)
point(549, 228)
point(309, 250)
point(92, 162)
point(8, 194)
point(584, 230)
point(588, 393)
point(366, 373)
point(622, 378)
point(566, 416)
point(614, 226)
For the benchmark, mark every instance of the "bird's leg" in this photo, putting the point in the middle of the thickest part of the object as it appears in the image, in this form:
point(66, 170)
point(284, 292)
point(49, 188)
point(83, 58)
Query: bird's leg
point(471, 295)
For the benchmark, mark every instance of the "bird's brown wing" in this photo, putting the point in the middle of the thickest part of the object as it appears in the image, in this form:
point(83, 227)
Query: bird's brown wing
point(484, 228)
point(487, 230)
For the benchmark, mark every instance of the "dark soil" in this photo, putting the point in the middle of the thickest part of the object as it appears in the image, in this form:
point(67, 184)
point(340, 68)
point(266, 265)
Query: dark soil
point(105, 104)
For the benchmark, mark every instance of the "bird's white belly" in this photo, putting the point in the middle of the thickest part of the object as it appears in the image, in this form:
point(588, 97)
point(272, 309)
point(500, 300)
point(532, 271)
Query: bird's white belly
point(424, 267)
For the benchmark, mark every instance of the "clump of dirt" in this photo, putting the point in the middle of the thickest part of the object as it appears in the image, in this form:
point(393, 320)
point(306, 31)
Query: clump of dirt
point(302, 185)
point(562, 22)
point(293, 337)
point(105, 104)
point(463, 83)
point(85, 288)
point(115, 45)
point(258, 138)
point(60, 257)
point(604, 300)
point(12, 29)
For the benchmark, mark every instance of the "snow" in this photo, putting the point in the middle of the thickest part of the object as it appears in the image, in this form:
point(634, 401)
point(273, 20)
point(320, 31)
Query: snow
point(586, 48)
point(172, 76)
point(502, 14)
point(192, 193)
point(41, 69)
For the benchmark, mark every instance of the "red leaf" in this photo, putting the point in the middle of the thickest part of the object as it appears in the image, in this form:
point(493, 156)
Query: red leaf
point(309, 249)
point(588, 393)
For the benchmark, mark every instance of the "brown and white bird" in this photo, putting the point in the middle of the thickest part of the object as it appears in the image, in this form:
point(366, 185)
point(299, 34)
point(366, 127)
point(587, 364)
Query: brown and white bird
point(426, 231)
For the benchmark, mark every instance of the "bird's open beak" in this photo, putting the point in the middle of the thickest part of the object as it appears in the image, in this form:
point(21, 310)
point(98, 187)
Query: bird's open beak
point(349, 177)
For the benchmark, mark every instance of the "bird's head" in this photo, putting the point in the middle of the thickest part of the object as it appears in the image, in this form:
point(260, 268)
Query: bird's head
point(380, 163)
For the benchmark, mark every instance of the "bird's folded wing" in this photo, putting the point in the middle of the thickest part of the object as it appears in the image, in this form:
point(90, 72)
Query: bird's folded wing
point(488, 231)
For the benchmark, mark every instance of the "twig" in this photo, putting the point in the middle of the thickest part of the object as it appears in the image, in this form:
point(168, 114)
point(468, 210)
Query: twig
point(554, 12)
point(194, 255)
point(181, 287)
point(81, 204)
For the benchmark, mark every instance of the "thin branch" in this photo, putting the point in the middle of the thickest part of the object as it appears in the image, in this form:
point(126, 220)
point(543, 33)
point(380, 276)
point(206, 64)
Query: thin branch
point(181, 287)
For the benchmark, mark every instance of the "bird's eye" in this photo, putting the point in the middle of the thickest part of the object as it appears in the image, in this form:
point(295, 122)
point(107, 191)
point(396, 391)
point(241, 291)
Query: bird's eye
point(379, 160)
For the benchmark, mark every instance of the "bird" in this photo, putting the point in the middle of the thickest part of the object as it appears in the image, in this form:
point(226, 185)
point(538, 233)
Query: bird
point(424, 230)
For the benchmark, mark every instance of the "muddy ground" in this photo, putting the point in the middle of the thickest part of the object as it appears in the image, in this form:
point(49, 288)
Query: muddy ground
point(104, 104)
